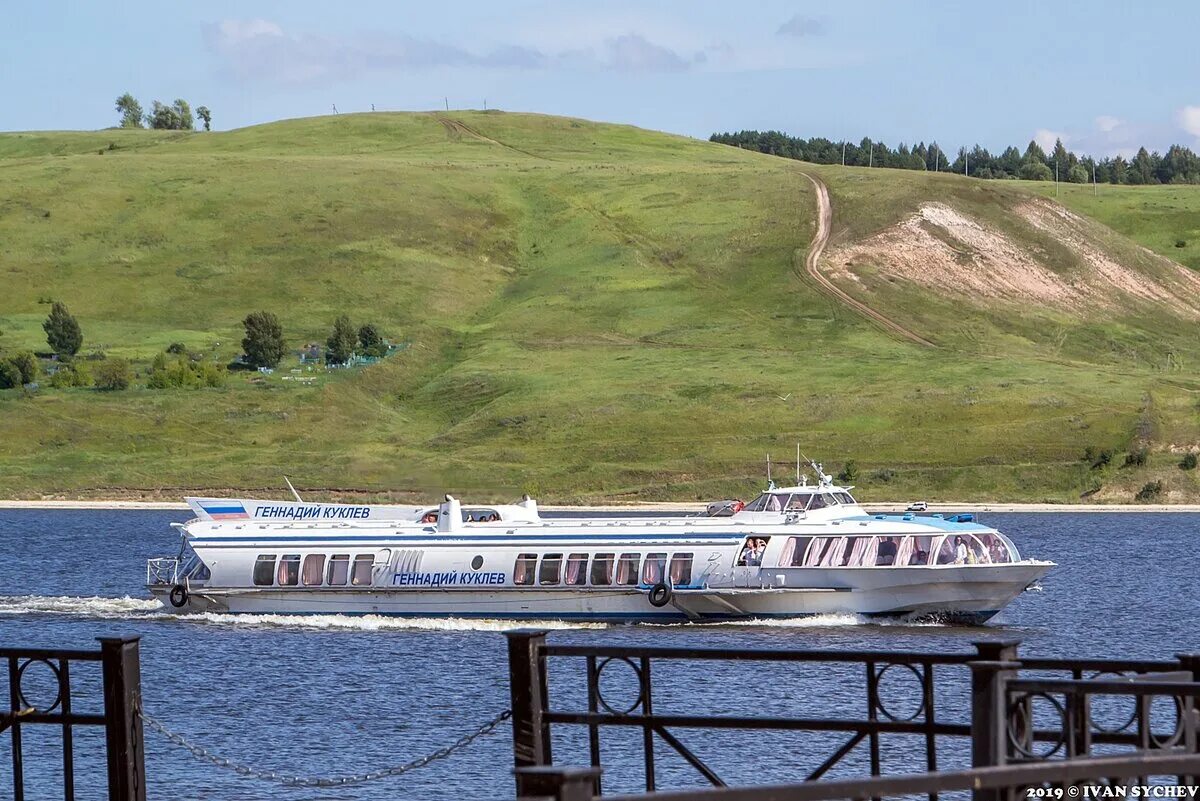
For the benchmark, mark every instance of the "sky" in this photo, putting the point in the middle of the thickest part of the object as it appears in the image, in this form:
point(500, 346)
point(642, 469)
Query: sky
point(1104, 76)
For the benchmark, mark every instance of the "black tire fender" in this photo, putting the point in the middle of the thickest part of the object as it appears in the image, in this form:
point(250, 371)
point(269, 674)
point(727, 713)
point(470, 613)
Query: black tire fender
point(660, 595)
point(178, 596)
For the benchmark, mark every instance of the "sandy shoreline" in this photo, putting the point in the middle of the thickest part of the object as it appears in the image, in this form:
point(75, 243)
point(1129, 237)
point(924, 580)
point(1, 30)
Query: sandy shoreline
point(676, 507)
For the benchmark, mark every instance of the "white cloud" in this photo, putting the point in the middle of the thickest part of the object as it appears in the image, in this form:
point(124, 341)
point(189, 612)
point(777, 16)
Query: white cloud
point(1108, 124)
point(1047, 138)
point(1189, 120)
point(261, 50)
point(801, 26)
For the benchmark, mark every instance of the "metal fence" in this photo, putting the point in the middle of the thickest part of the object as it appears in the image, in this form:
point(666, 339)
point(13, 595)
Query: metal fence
point(120, 716)
point(1028, 717)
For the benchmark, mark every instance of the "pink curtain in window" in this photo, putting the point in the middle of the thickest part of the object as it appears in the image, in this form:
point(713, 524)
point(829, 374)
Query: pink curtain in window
point(870, 553)
point(574, 565)
point(905, 551)
point(785, 559)
point(858, 551)
point(834, 555)
point(813, 557)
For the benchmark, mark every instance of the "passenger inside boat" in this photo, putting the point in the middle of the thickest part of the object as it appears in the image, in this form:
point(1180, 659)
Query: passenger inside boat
point(752, 552)
point(887, 552)
point(429, 517)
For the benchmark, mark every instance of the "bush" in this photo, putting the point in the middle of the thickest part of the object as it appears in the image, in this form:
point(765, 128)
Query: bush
point(1149, 492)
point(884, 476)
point(1181, 243)
point(176, 349)
point(71, 375)
point(849, 473)
point(113, 374)
point(184, 374)
point(263, 342)
point(27, 363)
point(10, 375)
point(1035, 171)
point(1137, 457)
point(1188, 462)
point(1102, 459)
point(62, 331)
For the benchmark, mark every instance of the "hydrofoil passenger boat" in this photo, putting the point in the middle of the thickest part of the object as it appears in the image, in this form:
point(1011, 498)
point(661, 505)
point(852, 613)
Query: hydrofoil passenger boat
point(792, 552)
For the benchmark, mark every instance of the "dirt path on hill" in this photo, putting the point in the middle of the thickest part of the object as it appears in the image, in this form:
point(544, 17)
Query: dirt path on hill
point(456, 129)
point(817, 247)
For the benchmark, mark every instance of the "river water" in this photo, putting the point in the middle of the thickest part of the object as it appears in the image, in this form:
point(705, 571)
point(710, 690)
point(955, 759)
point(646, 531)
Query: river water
point(333, 696)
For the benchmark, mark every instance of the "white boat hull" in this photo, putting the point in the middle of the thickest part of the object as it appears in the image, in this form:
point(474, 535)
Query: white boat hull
point(968, 593)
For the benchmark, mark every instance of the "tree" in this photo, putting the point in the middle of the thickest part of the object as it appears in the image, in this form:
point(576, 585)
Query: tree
point(62, 331)
point(340, 345)
point(263, 342)
point(371, 341)
point(27, 363)
point(176, 117)
point(131, 111)
point(1062, 160)
point(1079, 175)
point(203, 113)
point(184, 113)
point(113, 374)
point(10, 375)
point(1035, 171)
point(71, 375)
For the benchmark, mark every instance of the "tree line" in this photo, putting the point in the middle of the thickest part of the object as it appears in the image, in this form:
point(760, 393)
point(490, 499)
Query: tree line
point(174, 117)
point(1179, 165)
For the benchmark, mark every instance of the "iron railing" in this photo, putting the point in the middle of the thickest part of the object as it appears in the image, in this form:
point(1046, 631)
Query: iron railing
point(120, 715)
point(999, 695)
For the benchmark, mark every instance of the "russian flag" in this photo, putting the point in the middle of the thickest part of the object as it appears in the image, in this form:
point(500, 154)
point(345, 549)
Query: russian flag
point(225, 511)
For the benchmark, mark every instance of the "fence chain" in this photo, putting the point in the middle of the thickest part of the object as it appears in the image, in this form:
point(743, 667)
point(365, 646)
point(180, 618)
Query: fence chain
point(203, 754)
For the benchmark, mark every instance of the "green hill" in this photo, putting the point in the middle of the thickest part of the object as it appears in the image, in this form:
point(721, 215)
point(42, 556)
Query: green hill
point(590, 311)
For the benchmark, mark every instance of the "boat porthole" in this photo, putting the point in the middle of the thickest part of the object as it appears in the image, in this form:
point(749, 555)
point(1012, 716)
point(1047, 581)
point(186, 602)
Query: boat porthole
point(477, 563)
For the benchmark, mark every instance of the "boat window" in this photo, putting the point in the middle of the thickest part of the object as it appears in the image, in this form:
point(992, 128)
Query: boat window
point(946, 553)
point(314, 568)
point(793, 551)
point(999, 549)
point(576, 569)
point(339, 568)
point(818, 501)
point(831, 556)
point(681, 569)
point(523, 571)
point(551, 572)
point(886, 552)
point(480, 516)
point(976, 553)
point(861, 552)
point(627, 568)
point(360, 575)
point(913, 550)
point(602, 569)
point(776, 503)
point(798, 502)
point(289, 570)
point(843, 497)
point(654, 569)
point(758, 504)
point(264, 569)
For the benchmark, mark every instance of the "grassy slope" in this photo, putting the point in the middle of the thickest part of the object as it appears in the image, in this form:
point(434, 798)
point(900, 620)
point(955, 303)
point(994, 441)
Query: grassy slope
point(594, 311)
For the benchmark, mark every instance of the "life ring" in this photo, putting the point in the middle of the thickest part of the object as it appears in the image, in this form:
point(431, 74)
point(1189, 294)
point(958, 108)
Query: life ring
point(178, 596)
point(660, 595)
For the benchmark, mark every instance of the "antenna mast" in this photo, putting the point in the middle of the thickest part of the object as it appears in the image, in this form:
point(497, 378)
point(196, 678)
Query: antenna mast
point(797, 464)
point(295, 494)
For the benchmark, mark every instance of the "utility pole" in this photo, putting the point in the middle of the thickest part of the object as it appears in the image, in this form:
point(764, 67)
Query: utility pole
point(447, 100)
point(1056, 177)
point(966, 163)
point(937, 161)
point(1095, 186)
point(871, 154)
point(843, 152)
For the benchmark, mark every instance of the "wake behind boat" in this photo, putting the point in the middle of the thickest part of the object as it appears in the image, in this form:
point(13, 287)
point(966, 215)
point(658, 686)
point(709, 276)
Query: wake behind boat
point(792, 552)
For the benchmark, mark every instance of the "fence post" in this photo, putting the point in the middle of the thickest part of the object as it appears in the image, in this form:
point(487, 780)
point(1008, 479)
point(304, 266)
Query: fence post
point(1191, 662)
point(989, 713)
point(122, 718)
point(560, 784)
point(527, 688)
